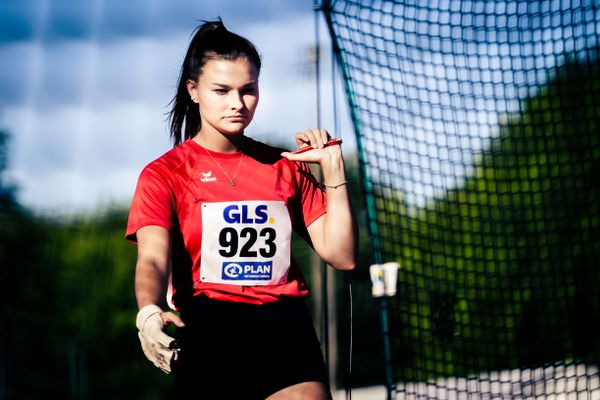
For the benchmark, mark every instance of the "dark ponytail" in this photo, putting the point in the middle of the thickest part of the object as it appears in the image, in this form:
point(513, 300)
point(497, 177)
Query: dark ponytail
point(212, 41)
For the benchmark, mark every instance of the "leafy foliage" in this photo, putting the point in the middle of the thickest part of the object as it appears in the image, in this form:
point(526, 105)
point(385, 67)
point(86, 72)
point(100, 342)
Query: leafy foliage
point(502, 272)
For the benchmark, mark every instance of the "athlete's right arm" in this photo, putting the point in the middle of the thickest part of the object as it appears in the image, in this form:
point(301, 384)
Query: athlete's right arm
point(152, 267)
point(151, 278)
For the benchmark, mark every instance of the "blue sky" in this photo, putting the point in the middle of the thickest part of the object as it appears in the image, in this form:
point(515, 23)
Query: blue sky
point(85, 85)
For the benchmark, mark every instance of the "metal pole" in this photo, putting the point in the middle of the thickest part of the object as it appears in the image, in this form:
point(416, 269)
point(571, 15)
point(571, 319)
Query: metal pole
point(326, 8)
point(323, 266)
point(387, 346)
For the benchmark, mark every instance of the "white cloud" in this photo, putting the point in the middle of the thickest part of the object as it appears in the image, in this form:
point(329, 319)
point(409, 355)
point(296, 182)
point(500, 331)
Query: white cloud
point(70, 159)
point(93, 113)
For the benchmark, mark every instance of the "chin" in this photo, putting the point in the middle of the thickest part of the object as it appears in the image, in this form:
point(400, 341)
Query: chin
point(230, 133)
point(234, 130)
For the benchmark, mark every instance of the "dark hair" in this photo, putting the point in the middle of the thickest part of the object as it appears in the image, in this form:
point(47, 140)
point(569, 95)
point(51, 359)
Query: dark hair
point(211, 41)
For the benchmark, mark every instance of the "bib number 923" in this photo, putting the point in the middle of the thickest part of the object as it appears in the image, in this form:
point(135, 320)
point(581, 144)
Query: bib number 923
point(247, 242)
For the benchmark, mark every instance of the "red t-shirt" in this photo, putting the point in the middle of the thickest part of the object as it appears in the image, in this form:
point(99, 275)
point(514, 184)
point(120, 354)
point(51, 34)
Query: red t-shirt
point(173, 190)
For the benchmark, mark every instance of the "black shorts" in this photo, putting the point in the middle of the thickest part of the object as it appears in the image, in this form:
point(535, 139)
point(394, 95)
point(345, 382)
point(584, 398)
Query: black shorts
point(246, 351)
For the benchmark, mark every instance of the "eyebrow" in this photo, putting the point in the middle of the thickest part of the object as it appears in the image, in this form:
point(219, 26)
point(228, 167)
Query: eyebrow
point(224, 86)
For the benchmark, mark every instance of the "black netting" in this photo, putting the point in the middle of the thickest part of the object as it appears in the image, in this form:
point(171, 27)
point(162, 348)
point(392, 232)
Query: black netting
point(478, 126)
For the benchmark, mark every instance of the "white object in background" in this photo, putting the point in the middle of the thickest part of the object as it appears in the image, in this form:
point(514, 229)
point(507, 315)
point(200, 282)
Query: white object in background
point(384, 279)
point(390, 277)
point(377, 280)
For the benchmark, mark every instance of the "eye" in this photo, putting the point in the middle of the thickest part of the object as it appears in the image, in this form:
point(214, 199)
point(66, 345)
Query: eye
point(220, 91)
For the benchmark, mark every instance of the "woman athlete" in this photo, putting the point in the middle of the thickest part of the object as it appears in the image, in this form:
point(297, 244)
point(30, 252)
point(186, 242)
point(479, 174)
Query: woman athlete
point(213, 218)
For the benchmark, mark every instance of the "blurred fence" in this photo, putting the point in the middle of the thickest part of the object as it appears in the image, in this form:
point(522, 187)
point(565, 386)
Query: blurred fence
point(478, 126)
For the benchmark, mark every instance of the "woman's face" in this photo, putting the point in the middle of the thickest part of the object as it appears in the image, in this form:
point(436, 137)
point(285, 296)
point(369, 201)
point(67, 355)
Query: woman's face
point(227, 94)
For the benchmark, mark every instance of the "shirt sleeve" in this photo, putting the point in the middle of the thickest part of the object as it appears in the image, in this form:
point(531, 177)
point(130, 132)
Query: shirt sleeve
point(313, 199)
point(153, 203)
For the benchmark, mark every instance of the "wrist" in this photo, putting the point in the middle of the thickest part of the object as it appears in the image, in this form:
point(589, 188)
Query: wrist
point(332, 168)
point(144, 313)
point(335, 185)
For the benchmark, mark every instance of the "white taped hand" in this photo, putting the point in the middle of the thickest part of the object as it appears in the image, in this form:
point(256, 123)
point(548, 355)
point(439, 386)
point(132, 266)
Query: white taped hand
point(156, 344)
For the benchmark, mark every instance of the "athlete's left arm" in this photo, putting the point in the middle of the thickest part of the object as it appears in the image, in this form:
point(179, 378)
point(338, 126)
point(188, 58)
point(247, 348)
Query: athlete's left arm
point(334, 234)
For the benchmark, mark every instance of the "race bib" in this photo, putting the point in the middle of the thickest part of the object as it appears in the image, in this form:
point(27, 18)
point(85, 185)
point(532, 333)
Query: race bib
point(245, 243)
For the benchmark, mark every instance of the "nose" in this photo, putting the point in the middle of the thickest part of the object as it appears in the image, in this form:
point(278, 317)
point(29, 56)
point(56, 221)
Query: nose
point(236, 100)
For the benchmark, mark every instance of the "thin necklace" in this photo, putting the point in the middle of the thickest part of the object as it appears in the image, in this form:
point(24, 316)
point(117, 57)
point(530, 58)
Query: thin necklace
point(231, 178)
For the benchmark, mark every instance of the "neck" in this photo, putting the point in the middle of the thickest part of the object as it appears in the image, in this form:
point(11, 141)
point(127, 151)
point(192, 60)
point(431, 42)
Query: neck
point(219, 142)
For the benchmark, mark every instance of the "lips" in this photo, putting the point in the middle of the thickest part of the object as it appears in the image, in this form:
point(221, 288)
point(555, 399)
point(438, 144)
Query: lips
point(235, 117)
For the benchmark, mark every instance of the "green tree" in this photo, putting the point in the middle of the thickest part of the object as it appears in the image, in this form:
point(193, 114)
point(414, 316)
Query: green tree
point(502, 271)
point(27, 296)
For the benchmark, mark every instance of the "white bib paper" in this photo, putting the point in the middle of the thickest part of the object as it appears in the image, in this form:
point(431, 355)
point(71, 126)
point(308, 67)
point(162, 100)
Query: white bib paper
point(245, 243)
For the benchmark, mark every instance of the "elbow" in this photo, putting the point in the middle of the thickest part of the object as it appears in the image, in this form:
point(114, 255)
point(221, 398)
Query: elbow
point(348, 265)
point(344, 260)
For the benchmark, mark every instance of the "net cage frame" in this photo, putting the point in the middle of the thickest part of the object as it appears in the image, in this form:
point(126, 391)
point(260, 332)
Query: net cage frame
point(477, 126)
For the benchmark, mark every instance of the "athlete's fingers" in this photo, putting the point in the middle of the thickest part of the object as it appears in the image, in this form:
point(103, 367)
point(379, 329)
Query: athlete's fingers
point(314, 138)
point(306, 138)
point(324, 135)
point(311, 156)
point(317, 138)
point(318, 142)
point(302, 139)
point(171, 318)
point(293, 157)
point(311, 137)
